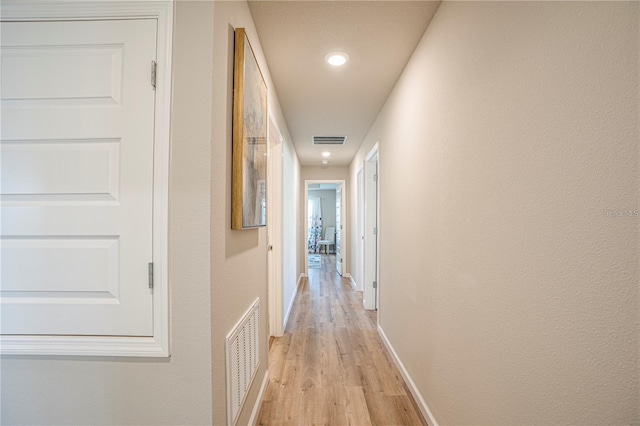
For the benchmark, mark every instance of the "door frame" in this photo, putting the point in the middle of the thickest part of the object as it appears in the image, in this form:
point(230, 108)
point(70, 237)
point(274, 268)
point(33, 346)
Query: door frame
point(343, 213)
point(371, 237)
point(157, 345)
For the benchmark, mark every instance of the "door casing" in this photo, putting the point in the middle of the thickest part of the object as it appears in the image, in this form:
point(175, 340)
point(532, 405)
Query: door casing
point(343, 212)
point(157, 345)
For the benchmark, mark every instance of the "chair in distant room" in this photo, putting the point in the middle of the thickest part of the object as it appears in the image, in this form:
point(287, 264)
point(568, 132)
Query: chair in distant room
point(329, 239)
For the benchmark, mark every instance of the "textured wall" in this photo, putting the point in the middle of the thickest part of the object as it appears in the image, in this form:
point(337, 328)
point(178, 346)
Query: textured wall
point(512, 131)
point(238, 258)
point(86, 390)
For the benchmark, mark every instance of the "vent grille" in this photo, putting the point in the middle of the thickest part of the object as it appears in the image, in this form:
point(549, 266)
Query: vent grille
point(243, 358)
point(329, 140)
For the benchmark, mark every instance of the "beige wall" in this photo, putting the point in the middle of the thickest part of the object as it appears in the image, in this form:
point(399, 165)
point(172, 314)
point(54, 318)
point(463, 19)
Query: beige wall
point(507, 293)
point(88, 390)
point(215, 273)
point(238, 258)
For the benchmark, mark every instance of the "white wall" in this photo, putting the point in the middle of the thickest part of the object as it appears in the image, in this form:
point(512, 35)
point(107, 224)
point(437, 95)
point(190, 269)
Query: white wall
point(512, 129)
point(238, 258)
point(89, 390)
point(328, 198)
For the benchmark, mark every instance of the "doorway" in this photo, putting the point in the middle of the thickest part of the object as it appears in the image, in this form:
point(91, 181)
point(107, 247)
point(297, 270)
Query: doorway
point(325, 224)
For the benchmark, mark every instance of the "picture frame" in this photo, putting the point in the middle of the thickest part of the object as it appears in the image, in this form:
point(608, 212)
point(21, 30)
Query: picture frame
point(249, 150)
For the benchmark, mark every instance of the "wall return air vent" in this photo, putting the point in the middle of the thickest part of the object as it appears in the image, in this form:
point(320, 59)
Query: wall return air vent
point(329, 140)
point(243, 358)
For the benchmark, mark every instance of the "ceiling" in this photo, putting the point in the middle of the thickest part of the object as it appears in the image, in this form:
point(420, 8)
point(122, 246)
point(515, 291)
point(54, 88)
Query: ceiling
point(318, 99)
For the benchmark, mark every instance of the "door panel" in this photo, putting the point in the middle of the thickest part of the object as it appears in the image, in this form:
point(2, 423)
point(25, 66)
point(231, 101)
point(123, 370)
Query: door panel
point(361, 228)
point(339, 264)
point(370, 284)
point(32, 168)
point(77, 177)
point(274, 231)
point(62, 75)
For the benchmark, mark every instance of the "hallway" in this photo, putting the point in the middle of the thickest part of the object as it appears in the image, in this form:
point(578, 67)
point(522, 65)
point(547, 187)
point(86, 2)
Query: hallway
point(331, 367)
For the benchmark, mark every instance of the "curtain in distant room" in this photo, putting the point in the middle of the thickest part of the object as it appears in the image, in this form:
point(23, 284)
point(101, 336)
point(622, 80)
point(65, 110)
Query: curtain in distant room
point(315, 224)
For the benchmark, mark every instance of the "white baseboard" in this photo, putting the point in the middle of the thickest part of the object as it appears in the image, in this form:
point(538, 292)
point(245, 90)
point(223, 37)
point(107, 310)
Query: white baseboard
point(293, 299)
point(353, 282)
point(286, 315)
point(256, 407)
point(422, 404)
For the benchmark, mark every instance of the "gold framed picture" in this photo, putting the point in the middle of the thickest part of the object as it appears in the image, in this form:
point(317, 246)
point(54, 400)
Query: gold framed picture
point(249, 151)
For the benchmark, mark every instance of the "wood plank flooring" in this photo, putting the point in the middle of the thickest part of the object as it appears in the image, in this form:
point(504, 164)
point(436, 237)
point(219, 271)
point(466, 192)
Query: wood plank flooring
point(331, 367)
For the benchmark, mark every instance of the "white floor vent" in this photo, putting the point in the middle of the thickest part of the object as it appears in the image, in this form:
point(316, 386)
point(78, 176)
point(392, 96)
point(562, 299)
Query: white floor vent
point(243, 358)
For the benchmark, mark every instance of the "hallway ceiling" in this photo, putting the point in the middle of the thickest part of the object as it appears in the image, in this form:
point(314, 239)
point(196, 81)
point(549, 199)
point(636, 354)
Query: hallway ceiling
point(318, 99)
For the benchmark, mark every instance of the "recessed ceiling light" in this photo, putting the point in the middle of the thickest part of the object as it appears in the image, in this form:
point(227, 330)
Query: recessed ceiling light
point(325, 162)
point(326, 154)
point(337, 58)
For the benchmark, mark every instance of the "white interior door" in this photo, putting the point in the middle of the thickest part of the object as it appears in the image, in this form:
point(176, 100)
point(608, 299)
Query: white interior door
point(376, 238)
point(339, 239)
point(77, 137)
point(274, 232)
point(370, 291)
point(360, 242)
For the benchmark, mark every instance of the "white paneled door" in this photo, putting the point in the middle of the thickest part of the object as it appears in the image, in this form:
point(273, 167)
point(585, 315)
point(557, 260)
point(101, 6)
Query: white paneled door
point(77, 139)
point(338, 240)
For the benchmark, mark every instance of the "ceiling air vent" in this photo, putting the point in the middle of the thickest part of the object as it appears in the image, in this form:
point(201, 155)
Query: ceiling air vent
point(329, 140)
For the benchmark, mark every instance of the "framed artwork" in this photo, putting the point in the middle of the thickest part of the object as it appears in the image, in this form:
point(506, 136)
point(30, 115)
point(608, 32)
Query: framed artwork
point(249, 174)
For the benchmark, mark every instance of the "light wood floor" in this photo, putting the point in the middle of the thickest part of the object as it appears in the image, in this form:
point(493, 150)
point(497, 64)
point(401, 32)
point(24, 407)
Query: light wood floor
point(331, 367)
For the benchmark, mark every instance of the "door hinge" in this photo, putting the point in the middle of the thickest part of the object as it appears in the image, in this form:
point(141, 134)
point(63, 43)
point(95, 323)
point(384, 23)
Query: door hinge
point(154, 71)
point(375, 284)
point(375, 177)
point(375, 231)
point(150, 274)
